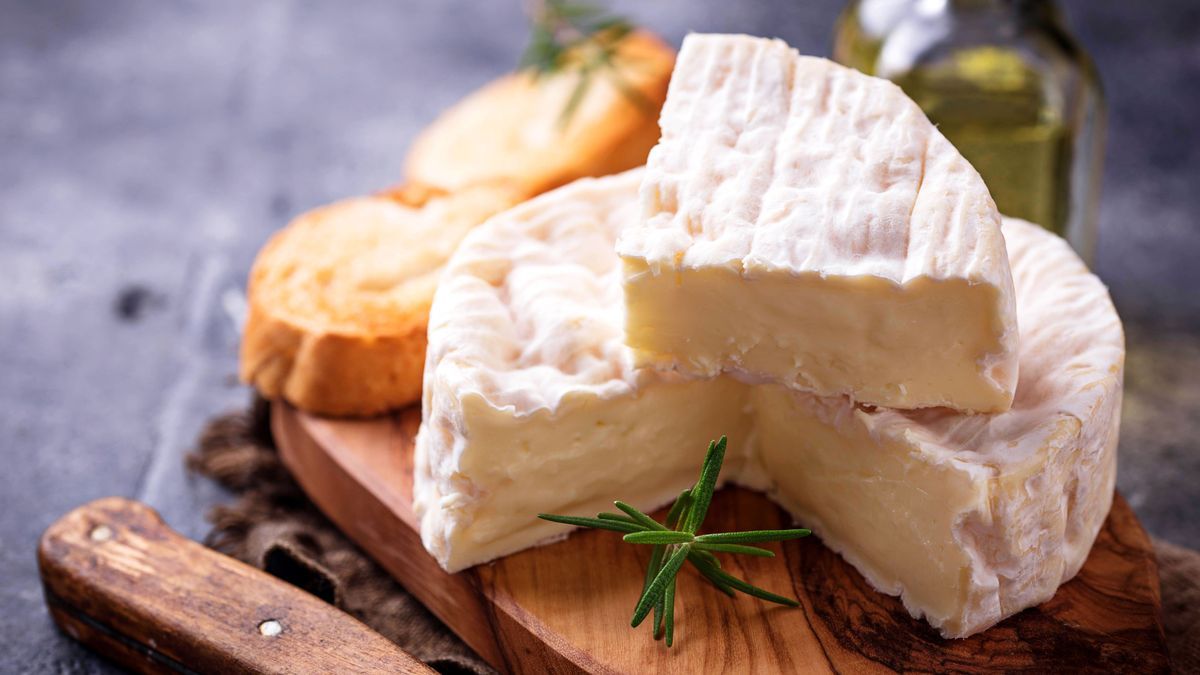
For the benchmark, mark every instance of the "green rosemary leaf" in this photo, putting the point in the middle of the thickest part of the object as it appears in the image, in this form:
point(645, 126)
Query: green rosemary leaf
point(751, 589)
point(581, 87)
point(677, 542)
point(703, 491)
point(660, 616)
point(659, 537)
point(752, 536)
point(710, 566)
point(659, 585)
point(722, 548)
point(543, 53)
point(569, 35)
point(669, 611)
point(573, 10)
point(615, 526)
point(706, 556)
point(635, 97)
point(711, 571)
point(613, 27)
point(616, 517)
point(679, 508)
point(638, 517)
point(656, 560)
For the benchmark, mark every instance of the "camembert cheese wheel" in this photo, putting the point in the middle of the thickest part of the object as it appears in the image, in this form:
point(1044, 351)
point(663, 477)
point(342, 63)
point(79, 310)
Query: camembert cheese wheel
point(533, 403)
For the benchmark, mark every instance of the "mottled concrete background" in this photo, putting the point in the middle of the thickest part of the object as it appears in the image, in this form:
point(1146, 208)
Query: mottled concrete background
point(148, 148)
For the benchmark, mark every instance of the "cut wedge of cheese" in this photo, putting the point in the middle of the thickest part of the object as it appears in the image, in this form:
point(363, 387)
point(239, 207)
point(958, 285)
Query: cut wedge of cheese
point(806, 224)
point(533, 404)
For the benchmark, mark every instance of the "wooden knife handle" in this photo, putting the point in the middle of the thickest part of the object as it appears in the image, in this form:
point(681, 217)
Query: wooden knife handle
point(119, 580)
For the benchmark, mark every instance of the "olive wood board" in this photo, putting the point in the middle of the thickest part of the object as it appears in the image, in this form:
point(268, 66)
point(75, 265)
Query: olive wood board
point(565, 607)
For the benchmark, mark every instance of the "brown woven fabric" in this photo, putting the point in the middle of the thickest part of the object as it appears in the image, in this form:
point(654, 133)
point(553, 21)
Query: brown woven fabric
point(273, 526)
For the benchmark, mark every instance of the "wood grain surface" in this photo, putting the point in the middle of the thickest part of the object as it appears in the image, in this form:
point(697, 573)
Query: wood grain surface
point(566, 607)
point(119, 580)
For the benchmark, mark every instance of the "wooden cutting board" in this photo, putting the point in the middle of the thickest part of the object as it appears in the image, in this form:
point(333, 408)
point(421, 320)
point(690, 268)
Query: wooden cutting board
point(566, 607)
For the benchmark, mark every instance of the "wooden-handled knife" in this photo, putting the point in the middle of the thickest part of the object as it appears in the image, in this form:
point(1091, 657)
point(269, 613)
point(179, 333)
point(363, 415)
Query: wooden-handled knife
point(119, 580)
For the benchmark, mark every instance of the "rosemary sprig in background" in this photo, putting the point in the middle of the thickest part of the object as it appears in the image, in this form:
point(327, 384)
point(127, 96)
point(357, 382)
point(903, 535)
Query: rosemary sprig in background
point(676, 542)
point(572, 36)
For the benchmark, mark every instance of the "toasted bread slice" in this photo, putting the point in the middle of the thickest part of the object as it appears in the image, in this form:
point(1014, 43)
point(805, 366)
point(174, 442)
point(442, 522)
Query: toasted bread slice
point(514, 130)
point(339, 299)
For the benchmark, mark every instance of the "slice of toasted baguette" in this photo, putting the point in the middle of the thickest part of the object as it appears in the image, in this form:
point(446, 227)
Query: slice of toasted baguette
point(512, 130)
point(339, 299)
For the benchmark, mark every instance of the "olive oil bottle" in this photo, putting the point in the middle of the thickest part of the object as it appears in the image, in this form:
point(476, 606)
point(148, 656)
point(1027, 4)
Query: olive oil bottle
point(1007, 84)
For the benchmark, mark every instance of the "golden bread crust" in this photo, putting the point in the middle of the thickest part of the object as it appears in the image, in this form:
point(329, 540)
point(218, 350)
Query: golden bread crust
point(339, 300)
point(510, 131)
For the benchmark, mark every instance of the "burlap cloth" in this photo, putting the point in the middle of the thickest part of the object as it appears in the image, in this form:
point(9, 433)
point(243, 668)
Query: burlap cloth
point(273, 526)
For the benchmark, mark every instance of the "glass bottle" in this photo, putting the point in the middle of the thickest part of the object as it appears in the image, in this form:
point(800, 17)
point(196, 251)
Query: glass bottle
point(1007, 84)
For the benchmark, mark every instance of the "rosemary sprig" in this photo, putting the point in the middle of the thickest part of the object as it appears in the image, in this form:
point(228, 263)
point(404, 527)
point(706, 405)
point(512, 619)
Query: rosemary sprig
point(569, 35)
point(676, 542)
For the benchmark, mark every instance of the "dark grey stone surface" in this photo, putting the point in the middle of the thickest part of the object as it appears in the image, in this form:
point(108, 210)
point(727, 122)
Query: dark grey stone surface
point(147, 149)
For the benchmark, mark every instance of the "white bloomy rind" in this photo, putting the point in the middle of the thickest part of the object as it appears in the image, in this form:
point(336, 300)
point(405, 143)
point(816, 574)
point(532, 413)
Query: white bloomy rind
point(532, 405)
point(804, 223)
point(527, 376)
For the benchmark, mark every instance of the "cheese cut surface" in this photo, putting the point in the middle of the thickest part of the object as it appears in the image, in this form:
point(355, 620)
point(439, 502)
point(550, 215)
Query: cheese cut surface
point(532, 404)
point(970, 518)
point(805, 224)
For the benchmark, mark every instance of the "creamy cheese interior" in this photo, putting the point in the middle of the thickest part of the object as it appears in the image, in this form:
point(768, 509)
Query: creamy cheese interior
point(925, 341)
point(597, 456)
point(805, 224)
point(533, 404)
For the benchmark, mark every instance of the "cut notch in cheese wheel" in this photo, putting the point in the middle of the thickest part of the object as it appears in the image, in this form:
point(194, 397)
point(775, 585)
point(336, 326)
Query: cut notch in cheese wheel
point(805, 224)
point(533, 404)
point(338, 300)
point(528, 384)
